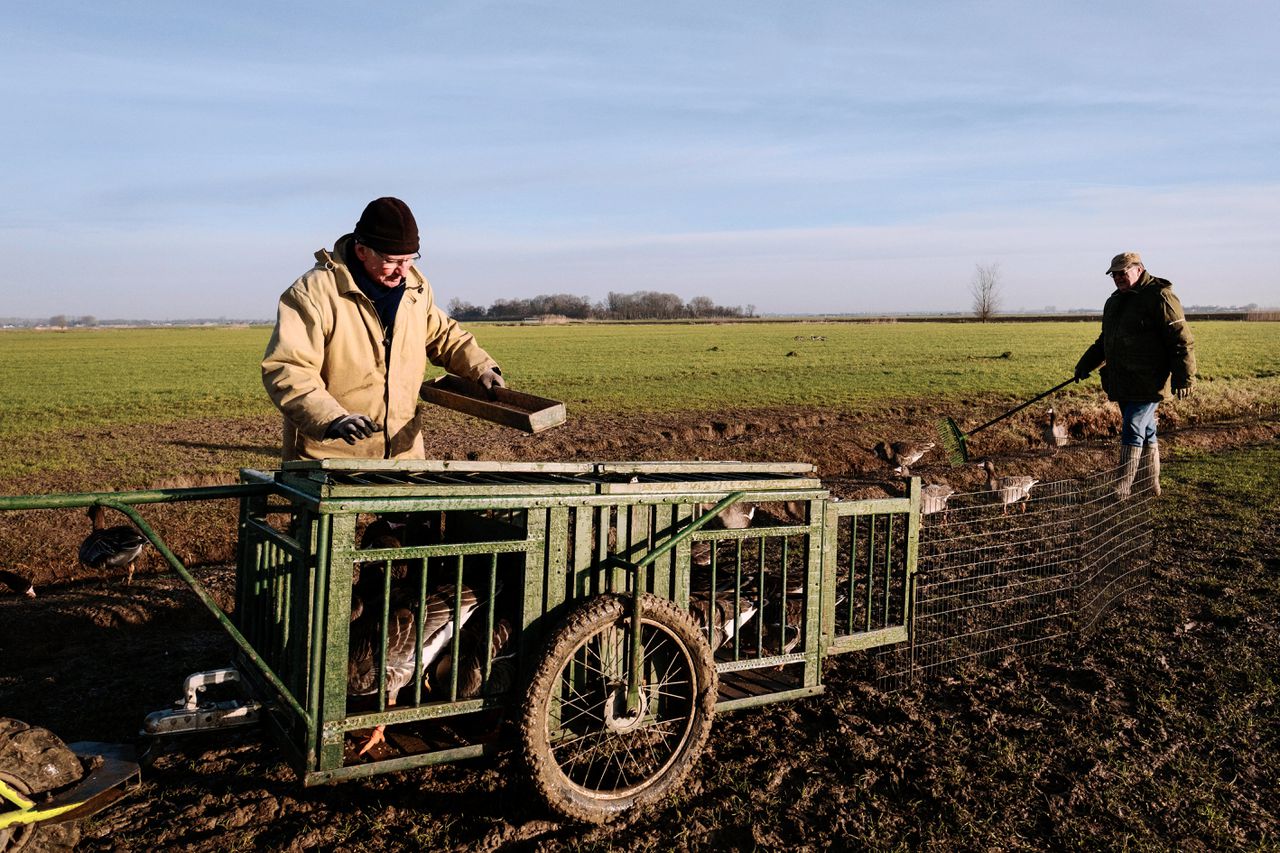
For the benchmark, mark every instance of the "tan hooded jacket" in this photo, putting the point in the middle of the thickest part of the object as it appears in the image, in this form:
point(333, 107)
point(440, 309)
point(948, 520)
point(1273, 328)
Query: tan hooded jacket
point(326, 359)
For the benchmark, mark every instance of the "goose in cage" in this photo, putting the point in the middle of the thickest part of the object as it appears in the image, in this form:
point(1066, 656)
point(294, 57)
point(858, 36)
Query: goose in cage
point(402, 646)
point(736, 516)
point(471, 656)
point(722, 617)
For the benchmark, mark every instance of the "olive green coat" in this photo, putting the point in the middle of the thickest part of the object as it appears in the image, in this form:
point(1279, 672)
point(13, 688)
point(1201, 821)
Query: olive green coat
point(1145, 344)
point(326, 359)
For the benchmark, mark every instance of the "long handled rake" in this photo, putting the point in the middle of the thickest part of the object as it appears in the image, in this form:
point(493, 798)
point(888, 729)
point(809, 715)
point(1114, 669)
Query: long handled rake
point(954, 441)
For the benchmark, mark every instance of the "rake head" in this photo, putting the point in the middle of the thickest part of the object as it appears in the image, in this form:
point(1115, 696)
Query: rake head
point(953, 442)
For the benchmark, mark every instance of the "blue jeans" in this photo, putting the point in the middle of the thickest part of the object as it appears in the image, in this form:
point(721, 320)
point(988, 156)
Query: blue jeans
point(1139, 424)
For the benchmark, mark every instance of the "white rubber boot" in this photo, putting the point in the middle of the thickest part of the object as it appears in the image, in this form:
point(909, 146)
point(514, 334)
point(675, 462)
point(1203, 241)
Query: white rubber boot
point(1127, 470)
point(1151, 467)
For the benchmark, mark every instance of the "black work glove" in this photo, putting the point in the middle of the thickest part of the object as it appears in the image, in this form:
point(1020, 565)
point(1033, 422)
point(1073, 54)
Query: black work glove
point(1183, 391)
point(492, 378)
point(1081, 373)
point(350, 428)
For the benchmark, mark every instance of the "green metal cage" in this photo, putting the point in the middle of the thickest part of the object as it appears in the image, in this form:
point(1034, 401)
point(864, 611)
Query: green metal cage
point(811, 577)
point(514, 586)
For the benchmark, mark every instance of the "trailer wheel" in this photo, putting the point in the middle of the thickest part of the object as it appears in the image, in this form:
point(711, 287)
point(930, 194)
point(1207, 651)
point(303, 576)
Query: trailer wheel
point(33, 761)
point(588, 757)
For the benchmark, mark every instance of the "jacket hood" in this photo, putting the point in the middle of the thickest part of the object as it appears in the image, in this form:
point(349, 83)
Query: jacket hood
point(1148, 280)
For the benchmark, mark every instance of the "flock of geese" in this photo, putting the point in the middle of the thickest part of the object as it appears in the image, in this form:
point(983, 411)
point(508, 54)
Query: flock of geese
point(1010, 490)
point(722, 615)
point(722, 618)
point(430, 645)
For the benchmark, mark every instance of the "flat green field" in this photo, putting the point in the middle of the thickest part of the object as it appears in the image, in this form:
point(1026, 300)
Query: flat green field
point(58, 381)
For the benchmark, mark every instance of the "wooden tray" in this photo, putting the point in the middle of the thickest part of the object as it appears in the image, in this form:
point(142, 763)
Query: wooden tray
point(507, 407)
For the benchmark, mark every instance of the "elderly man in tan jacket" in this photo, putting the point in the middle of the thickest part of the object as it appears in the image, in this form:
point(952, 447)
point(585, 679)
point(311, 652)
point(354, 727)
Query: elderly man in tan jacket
point(352, 340)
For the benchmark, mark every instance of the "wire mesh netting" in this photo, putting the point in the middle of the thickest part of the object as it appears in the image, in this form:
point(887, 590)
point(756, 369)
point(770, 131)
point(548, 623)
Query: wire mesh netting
point(1000, 572)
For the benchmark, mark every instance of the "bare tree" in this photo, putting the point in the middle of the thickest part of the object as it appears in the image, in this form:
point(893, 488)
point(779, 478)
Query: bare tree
point(985, 288)
point(701, 306)
point(462, 310)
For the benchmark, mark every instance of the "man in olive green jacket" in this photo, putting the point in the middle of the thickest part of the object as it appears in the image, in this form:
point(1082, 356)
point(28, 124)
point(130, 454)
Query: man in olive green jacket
point(352, 340)
point(1149, 356)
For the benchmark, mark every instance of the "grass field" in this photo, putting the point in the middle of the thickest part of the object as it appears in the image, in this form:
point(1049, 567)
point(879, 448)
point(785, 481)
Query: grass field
point(56, 382)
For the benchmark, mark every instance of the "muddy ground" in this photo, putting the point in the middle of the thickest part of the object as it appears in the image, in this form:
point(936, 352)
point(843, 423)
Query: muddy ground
point(1156, 732)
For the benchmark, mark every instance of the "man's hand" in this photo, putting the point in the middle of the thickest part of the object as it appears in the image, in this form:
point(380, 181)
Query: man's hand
point(1182, 393)
point(1081, 373)
point(492, 378)
point(351, 428)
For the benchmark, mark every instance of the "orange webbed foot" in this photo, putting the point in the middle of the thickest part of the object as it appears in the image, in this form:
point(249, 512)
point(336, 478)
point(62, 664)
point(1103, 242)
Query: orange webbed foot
point(376, 737)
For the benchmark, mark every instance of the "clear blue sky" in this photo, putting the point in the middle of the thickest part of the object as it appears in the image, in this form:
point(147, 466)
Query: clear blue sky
point(172, 160)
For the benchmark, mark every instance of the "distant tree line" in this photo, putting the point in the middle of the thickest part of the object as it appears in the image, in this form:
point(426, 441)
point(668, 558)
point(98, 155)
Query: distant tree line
point(641, 305)
point(65, 321)
point(86, 321)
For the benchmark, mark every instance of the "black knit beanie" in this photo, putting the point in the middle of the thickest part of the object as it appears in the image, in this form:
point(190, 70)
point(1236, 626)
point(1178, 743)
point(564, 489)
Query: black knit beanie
point(387, 226)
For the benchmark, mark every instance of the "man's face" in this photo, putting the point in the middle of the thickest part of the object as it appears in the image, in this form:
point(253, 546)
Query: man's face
point(1127, 277)
point(386, 271)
